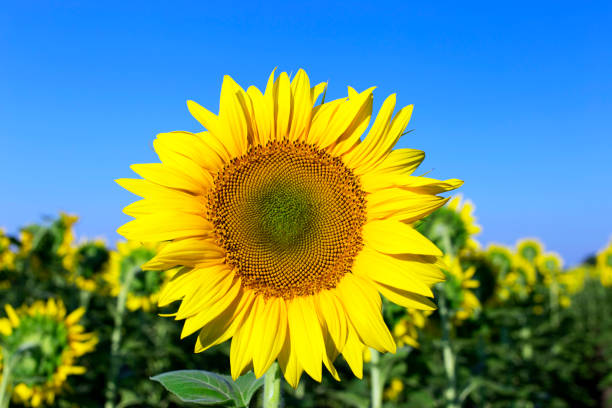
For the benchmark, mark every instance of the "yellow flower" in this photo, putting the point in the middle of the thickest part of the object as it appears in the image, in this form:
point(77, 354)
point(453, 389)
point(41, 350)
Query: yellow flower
point(460, 283)
point(7, 257)
point(145, 286)
point(55, 342)
point(550, 265)
point(87, 265)
point(530, 249)
point(604, 265)
point(65, 248)
point(394, 390)
point(405, 331)
point(288, 225)
point(465, 210)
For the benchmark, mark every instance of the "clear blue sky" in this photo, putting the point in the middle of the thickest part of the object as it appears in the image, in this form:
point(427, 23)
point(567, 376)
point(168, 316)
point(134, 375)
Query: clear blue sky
point(515, 99)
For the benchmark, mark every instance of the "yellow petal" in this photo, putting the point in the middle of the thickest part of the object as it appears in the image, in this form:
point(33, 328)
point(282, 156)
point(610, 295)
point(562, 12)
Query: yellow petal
point(332, 313)
point(232, 116)
point(194, 147)
point(170, 177)
point(289, 364)
point(399, 161)
point(181, 163)
point(75, 316)
point(241, 350)
point(306, 335)
point(148, 189)
point(390, 271)
point(363, 306)
point(317, 90)
point(302, 106)
point(393, 237)
point(10, 313)
point(404, 298)
point(171, 202)
point(353, 352)
point(213, 308)
point(165, 226)
point(225, 325)
point(401, 204)
point(262, 117)
point(282, 105)
point(376, 181)
point(372, 141)
point(216, 282)
point(268, 335)
point(186, 252)
point(352, 135)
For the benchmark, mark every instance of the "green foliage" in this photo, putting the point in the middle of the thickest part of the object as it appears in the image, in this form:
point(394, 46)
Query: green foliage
point(206, 388)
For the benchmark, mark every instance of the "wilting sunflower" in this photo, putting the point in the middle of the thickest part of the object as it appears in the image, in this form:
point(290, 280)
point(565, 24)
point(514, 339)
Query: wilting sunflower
point(49, 342)
point(143, 292)
point(288, 225)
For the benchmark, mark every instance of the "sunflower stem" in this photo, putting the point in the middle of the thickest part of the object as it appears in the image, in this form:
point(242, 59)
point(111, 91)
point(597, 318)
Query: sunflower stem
point(450, 394)
point(272, 389)
point(375, 379)
point(115, 358)
point(5, 395)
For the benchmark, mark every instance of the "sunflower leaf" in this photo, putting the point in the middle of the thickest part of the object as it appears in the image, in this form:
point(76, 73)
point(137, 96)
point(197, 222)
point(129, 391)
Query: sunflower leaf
point(198, 387)
point(246, 386)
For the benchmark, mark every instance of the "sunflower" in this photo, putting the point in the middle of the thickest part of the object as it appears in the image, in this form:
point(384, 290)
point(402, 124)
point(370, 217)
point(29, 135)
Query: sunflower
point(288, 225)
point(458, 288)
point(45, 343)
point(86, 264)
point(530, 249)
point(604, 265)
point(143, 292)
point(405, 331)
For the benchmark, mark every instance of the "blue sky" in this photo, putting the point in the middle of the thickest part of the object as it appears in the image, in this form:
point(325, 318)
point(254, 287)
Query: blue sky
point(515, 99)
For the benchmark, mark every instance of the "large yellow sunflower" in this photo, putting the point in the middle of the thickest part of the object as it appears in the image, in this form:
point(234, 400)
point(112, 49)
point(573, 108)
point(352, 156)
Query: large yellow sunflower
point(288, 225)
point(47, 343)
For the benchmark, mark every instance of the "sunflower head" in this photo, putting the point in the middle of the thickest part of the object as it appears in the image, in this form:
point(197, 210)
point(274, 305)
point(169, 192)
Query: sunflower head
point(87, 264)
point(286, 225)
point(459, 289)
point(529, 249)
point(43, 343)
point(145, 285)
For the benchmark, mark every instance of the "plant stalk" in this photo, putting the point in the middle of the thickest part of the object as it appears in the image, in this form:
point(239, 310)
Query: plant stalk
point(375, 379)
point(272, 389)
point(450, 394)
point(5, 385)
point(115, 358)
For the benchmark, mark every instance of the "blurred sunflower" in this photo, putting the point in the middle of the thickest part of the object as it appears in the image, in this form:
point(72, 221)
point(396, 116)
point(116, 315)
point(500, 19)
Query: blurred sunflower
point(144, 286)
point(289, 225)
point(7, 257)
point(394, 390)
point(458, 288)
point(42, 344)
point(529, 249)
point(604, 265)
point(405, 331)
point(452, 227)
point(86, 265)
point(549, 265)
point(66, 247)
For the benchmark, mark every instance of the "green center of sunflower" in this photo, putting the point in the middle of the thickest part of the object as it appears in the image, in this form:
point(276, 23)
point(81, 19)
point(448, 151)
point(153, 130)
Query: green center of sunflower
point(42, 340)
point(287, 213)
point(289, 217)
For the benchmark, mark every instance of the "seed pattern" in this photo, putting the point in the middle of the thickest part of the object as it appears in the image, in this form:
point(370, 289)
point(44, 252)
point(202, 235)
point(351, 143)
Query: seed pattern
point(289, 217)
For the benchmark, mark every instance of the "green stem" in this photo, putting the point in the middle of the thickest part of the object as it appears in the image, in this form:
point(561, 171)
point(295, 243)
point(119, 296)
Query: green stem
point(115, 358)
point(450, 394)
point(554, 302)
point(272, 389)
point(375, 379)
point(5, 385)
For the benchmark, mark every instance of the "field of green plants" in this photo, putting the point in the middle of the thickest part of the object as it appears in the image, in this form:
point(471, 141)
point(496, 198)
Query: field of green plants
point(80, 327)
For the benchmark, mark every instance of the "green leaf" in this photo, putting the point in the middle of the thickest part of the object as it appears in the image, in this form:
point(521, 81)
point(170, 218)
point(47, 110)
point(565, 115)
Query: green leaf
point(246, 386)
point(199, 387)
point(206, 388)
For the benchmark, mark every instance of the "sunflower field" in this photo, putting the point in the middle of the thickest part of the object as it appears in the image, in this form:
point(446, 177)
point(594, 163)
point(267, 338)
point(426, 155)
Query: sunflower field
point(513, 328)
